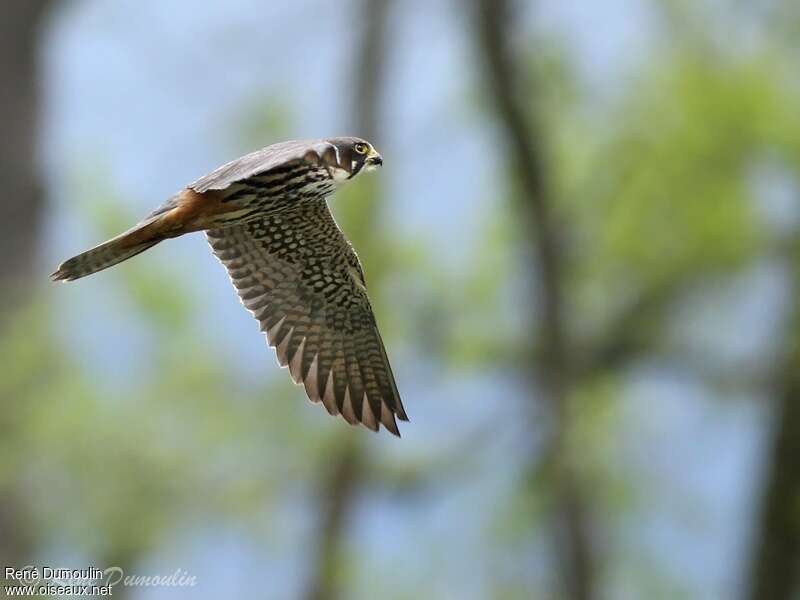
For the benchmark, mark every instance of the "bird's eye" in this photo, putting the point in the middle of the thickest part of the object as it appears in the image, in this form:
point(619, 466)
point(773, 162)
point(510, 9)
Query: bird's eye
point(360, 148)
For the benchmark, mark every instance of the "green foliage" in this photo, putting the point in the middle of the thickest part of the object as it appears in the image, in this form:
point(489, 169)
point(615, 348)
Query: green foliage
point(654, 199)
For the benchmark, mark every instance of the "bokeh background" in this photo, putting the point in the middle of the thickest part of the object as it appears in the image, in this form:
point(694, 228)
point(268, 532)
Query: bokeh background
point(584, 254)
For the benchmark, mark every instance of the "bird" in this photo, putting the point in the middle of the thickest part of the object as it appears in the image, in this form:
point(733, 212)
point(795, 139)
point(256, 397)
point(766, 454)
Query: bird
point(267, 220)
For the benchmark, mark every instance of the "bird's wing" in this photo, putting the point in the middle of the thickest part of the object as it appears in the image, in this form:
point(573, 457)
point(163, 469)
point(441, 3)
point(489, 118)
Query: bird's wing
point(299, 276)
point(282, 155)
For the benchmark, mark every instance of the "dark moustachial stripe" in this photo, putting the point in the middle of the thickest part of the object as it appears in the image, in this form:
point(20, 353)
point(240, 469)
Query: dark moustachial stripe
point(357, 170)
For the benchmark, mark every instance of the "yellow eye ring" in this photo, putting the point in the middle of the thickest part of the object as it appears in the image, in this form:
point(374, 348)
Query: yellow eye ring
point(360, 148)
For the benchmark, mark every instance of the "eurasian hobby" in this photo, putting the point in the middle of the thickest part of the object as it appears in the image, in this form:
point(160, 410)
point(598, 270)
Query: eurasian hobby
point(267, 220)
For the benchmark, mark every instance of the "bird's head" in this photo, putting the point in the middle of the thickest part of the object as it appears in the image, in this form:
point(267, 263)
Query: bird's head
point(350, 156)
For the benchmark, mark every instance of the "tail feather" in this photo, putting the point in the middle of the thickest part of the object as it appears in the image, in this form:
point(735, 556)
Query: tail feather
point(185, 212)
point(114, 251)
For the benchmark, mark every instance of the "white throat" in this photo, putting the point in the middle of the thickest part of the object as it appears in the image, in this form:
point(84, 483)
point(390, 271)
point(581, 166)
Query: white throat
point(339, 175)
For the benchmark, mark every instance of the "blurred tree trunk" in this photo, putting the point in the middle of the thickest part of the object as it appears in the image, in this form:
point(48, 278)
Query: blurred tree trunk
point(23, 201)
point(342, 479)
point(775, 572)
point(548, 356)
point(339, 488)
point(21, 211)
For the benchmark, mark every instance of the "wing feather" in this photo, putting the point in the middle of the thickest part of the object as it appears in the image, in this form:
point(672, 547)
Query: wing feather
point(299, 276)
point(277, 157)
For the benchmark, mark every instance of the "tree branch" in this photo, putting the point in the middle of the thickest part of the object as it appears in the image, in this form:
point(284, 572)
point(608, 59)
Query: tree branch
point(775, 569)
point(535, 209)
point(338, 490)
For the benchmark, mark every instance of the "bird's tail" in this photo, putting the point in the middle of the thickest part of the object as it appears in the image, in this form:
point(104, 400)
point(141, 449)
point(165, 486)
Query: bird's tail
point(134, 241)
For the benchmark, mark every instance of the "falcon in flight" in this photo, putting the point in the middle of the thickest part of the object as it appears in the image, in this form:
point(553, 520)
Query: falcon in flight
point(267, 219)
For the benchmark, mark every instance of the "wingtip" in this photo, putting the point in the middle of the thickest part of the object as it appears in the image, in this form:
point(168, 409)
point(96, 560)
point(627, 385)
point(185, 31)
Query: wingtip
point(393, 430)
point(388, 420)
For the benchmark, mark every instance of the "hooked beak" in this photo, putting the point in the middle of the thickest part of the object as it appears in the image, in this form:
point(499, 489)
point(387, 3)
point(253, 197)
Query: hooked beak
point(371, 162)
